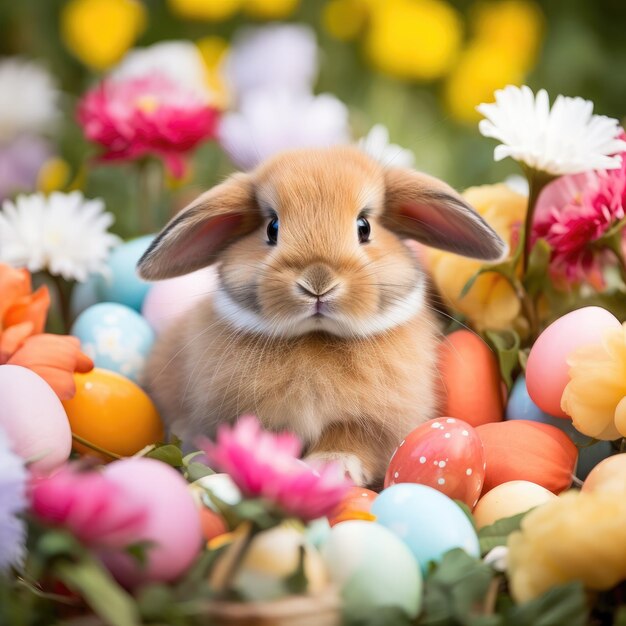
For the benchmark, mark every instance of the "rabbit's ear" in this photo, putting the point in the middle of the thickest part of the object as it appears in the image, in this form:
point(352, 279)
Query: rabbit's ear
point(195, 237)
point(424, 208)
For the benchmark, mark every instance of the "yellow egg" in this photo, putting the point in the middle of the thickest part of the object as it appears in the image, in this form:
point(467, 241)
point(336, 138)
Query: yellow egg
point(608, 476)
point(508, 499)
point(112, 413)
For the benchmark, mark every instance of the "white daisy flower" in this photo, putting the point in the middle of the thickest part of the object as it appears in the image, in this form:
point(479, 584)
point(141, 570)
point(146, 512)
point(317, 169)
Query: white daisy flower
point(564, 139)
point(376, 144)
point(28, 98)
point(274, 56)
point(64, 233)
point(270, 121)
point(179, 61)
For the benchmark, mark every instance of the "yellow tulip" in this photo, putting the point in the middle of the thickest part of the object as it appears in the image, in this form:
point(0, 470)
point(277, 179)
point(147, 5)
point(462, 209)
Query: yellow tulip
point(491, 303)
point(270, 9)
point(54, 175)
point(595, 397)
point(99, 32)
point(344, 19)
point(214, 51)
point(579, 536)
point(209, 10)
point(413, 39)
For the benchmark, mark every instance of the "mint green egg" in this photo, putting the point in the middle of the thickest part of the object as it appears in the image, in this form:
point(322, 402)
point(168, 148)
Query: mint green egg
point(372, 568)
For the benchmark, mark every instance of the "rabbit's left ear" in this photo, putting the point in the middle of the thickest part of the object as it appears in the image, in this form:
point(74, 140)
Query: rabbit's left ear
point(424, 208)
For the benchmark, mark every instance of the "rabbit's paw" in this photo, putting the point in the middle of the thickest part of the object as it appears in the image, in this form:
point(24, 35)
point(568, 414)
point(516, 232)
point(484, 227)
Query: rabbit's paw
point(350, 464)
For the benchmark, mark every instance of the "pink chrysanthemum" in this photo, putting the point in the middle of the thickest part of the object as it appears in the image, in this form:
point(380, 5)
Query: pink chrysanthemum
point(94, 509)
point(266, 465)
point(572, 213)
point(149, 115)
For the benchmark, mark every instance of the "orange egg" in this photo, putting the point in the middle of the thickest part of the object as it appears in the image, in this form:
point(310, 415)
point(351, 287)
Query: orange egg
point(355, 505)
point(113, 413)
point(213, 525)
point(470, 378)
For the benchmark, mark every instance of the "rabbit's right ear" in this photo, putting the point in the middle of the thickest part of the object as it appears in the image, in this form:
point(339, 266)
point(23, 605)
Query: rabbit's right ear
point(195, 237)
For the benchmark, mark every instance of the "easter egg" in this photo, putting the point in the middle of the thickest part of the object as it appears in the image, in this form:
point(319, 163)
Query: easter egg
point(115, 337)
point(509, 499)
point(355, 505)
point(168, 300)
point(445, 454)
point(172, 526)
point(547, 369)
point(212, 524)
point(372, 568)
point(590, 453)
point(272, 556)
point(608, 476)
point(113, 413)
point(84, 295)
point(33, 418)
point(122, 283)
point(525, 450)
point(318, 531)
point(470, 379)
point(429, 522)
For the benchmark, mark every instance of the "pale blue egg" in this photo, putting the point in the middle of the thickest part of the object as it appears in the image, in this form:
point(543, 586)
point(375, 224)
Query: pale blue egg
point(115, 337)
point(122, 284)
point(429, 522)
point(521, 407)
point(317, 532)
point(372, 568)
point(85, 295)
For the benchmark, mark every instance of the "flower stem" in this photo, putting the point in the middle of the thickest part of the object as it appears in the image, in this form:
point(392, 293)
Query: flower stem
point(536, 182)
point(148, 195)
point(63, 290)
point(93, 446)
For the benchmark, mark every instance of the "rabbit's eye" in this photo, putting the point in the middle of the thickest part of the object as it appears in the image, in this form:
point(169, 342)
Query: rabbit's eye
point(272, 232)
point(363, 228)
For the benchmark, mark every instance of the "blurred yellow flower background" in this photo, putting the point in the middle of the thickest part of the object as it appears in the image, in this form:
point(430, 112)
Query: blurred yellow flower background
point(219, 10)
point(579, 536)
point(595, 397)
point(491, 303)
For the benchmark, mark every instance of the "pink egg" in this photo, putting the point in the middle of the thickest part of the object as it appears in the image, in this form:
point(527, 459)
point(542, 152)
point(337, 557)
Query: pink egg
point(168, 299)
point(547, 369)
point(34, 419)
point(173, 525)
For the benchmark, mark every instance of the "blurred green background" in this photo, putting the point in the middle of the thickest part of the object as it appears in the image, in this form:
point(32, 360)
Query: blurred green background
point(417, 66)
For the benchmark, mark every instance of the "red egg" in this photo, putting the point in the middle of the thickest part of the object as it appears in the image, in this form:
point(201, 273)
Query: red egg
point(445, 454)
point(355, 505)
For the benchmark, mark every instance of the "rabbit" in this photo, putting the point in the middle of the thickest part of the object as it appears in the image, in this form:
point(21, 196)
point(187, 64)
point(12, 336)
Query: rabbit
point(320, 323)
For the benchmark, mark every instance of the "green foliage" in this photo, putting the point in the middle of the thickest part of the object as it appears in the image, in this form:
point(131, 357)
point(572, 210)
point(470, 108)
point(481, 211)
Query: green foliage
point(506, 344)
point(497, 534)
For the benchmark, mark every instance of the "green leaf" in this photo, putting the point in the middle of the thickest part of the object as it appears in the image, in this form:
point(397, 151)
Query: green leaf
point(498, 533)
point(106, 598)
point(537, 271)
point(620, 617)
point(154, 601)
point(466, 510)
point(506, 344)
point(506, 269)
point(195, 471)
point(139, 551)
point(58, 543)
point(297, 582)
point(562, 605)
point(168, 453)
point(455, 589)
point(381, 616)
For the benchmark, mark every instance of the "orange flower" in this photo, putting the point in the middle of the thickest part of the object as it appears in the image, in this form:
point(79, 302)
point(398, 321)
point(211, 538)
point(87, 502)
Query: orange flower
point(22, 319)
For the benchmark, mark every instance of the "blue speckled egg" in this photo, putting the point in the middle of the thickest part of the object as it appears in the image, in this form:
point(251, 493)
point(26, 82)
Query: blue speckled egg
point(372, 568)
point(115, 337)
point(521, 407)
point(429, 522)
point(122, 284)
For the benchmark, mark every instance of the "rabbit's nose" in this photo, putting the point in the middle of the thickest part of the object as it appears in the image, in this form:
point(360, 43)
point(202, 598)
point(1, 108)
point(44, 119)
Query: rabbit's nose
point(317, 280)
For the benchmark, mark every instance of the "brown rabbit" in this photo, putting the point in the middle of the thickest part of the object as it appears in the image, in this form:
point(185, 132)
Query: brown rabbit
point(320, 323)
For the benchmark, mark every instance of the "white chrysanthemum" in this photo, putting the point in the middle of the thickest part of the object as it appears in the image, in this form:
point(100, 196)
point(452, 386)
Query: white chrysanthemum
point(12, 503)
point(564, 139)
point(179, 61)
point(28, 98)
point(65, 234)
point(376, 144)
point(273, 57)
point(269, 122)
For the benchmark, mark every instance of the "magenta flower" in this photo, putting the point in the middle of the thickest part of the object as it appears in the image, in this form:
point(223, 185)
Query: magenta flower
point(95, 510)
point(266, 465)
point(572, 213)
point(150, 115)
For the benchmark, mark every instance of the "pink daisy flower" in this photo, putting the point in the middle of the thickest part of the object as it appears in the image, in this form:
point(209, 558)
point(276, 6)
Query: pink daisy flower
point(575, 211)
point(95, 510)
point(149, 115)
point(266, 465)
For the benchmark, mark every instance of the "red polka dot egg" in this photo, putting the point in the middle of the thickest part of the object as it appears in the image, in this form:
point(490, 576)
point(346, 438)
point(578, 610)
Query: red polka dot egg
point(445, 454)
